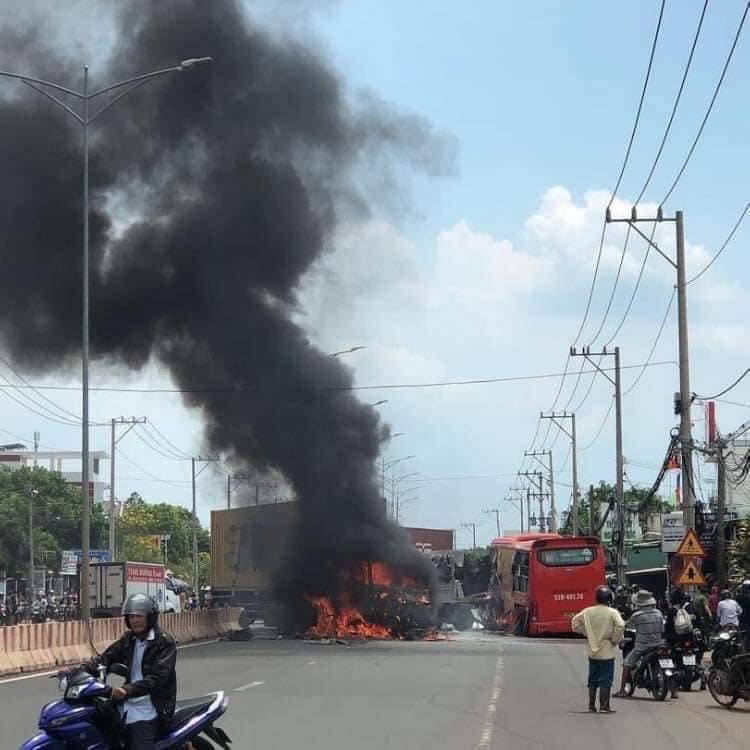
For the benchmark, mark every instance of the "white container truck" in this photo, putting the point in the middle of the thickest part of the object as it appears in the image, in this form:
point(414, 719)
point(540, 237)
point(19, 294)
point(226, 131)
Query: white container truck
point(111, 583)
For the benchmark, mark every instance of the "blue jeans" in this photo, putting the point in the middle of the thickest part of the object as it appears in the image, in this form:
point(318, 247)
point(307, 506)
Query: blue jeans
point(601, 673)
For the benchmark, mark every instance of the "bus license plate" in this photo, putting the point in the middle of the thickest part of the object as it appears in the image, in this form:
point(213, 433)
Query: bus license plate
point(688, 660)
point(666, 663)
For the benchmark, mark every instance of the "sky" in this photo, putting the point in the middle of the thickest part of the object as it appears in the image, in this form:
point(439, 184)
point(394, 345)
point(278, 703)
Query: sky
point(484, 274)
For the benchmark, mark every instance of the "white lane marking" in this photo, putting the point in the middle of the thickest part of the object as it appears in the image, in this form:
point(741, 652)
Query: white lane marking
point(48, 674)
point(490, 715)
point(249, 685)
point(198, 643)
point(27, 677)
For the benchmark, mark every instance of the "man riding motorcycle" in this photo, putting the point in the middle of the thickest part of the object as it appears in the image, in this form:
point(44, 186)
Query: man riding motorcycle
point(648, 623)
point(148, 698)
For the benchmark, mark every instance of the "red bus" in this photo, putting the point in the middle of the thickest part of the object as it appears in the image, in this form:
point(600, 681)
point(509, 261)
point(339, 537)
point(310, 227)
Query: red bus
point(541, 580)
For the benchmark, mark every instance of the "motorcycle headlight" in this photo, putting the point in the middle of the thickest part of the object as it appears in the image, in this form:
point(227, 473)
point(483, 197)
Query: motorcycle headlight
point(73, 691)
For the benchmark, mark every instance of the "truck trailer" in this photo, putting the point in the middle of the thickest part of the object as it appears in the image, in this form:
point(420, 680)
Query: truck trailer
point(247, 545)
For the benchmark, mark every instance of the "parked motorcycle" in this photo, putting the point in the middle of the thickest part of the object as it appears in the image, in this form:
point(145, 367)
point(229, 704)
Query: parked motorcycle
point(730, 682)
point(654, 670)
point(87, 718)
point(726, 644)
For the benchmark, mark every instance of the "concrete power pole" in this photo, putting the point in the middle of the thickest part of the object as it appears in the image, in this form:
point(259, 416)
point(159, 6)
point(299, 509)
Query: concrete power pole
point(207, 460)
point(495, 513)
point(619, 490)
point(535, 476)
point(473, 528)
point(721, 499)
point(132, 421)
point(551, 480)
point(685, 397)
point(555, 416)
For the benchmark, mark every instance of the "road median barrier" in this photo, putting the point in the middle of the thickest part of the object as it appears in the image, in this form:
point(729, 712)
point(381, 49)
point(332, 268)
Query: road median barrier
point(33, 647)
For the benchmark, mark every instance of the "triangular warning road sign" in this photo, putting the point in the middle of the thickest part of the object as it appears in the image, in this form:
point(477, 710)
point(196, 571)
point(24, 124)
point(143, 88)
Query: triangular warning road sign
point(690, 546)
point(690, 575)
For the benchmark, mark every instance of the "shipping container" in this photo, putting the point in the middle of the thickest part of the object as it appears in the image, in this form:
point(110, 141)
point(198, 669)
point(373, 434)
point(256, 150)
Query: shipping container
point(247, 545)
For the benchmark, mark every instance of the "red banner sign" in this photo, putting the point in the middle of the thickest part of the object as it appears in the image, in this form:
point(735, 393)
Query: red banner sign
point(144, 573)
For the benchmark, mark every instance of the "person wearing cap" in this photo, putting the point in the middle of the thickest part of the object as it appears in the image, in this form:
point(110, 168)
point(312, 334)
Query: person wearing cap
point(603, 627)
point(147, 699)
point(648, 623)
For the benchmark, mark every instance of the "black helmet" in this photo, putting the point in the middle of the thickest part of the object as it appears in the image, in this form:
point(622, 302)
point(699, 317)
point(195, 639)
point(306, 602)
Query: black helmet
point(620, 590)
point(726, 594)
point(140, 604)
point(603, 595)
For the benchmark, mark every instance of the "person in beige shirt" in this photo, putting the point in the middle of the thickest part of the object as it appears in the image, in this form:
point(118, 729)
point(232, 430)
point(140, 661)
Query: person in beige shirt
point(604, 629)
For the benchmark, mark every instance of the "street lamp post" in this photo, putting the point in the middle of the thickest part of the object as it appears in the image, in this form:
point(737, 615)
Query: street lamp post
point(29, 589)
point(385, 466)
point(86, 97)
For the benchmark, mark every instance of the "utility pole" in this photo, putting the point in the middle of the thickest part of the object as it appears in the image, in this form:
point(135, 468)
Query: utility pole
point(473, 528)
point(30, 586)
point(555, 416)
point(592, 517)
point(133, 421)
point(207, 460)
point(518, 499)
point(496, 513)
point(619, 526)
point(721, 498)
point(239, 478)
point(536, 476)
point(551, 480)
point(685, 397)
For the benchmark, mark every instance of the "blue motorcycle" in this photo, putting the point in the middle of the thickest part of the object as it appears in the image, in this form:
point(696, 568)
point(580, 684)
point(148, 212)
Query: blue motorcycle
point(87, 718)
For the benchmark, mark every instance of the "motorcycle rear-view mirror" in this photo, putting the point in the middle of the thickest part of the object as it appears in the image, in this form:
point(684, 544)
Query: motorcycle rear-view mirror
point(119, 669)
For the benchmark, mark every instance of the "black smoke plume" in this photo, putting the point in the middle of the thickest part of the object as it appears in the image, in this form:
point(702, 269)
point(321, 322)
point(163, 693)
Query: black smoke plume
point(213, 193)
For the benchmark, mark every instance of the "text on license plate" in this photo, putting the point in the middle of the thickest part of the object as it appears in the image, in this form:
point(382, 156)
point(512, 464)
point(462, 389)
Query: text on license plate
point(666, 663)
point(689, 660)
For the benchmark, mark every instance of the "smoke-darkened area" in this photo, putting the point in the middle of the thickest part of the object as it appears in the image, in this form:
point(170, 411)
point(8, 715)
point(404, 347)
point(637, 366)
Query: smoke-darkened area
point(213, 192)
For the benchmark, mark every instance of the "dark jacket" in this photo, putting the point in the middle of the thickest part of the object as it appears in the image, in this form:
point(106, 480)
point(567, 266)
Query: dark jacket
point(159, 676)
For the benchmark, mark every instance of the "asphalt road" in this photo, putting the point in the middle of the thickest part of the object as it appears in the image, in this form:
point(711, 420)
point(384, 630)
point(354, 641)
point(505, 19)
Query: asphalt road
point(473, 691)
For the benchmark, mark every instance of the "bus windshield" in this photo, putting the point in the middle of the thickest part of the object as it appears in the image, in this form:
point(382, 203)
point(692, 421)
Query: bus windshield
point(566, 557)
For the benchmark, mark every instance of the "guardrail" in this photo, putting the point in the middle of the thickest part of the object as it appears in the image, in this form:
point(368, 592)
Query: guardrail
point(46, 645)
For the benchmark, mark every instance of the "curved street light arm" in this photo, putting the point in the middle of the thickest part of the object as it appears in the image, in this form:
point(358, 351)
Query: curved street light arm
point(136, 79)
point(116, 99)
point(53, 98)
point(39, 81)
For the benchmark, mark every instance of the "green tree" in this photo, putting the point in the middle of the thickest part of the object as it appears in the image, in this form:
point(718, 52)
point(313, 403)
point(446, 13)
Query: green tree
point(738, 553)
point(141, 521)
point(56, 514)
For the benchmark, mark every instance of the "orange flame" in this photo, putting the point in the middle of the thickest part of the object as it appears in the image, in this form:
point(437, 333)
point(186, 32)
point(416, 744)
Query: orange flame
point(346, 622)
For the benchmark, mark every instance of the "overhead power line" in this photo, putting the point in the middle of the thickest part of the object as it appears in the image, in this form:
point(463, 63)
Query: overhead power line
point(148, 442)
point(643, 189)
point(710, 107)
point(634, 129)
point(601, 426)
point(348, 388)
point(726, 390)
point(177, 450)
point(725, 243)
point(654, 345)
